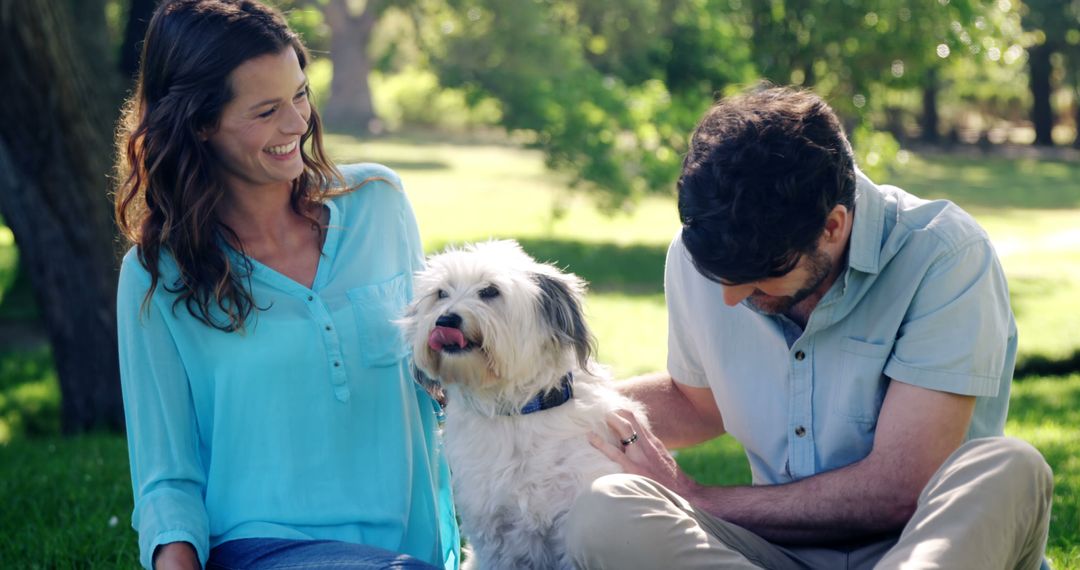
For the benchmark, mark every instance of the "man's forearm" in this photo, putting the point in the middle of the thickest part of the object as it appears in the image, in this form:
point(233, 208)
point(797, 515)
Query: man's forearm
point(842, 505)
point(917, 430)
point(673, 417)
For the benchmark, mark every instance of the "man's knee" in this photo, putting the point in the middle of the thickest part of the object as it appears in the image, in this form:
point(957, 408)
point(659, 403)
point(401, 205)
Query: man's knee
point(603, 516)
point(1016, 463)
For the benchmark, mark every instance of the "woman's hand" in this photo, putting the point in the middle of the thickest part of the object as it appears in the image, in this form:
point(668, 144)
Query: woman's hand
point(644, 455)
point(176, 556)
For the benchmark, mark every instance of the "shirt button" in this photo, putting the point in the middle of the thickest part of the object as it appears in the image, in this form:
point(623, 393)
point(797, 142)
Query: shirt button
point(800, 431)
point(310, 298)
point(336, 364)
point(329, 328)
point(799, 355)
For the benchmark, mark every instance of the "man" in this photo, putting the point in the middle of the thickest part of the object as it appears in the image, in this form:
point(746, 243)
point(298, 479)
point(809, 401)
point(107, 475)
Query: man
point(855, 339)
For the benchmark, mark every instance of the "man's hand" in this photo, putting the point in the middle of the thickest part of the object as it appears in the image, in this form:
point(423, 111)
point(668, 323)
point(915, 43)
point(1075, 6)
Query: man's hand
point(176, 556)
point(917, 430)
point(645, 455)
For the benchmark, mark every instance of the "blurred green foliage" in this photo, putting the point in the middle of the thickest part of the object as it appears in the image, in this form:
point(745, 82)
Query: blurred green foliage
point(610, 90)
point(29, 394)
point(9, 260)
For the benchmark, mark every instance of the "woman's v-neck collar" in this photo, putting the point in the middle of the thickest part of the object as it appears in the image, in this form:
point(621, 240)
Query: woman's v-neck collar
point(277, 280)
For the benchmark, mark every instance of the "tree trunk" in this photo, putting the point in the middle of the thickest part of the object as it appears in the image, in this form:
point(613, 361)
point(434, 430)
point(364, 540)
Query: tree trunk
point(1073, 59)
point(138, 20)
point(929, 120)
point(1042, 115)
point(1076, 117)
point(88, 25)
point(809, 77)
point(53, 186)
point(350, 107)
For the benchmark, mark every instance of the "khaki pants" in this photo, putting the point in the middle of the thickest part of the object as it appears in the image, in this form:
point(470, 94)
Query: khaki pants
point(987, 507)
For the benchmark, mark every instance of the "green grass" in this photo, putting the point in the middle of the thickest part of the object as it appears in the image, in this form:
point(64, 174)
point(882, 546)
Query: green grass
point(1045, 411)
point(67, 503)
point(68, 500)
point(988, 183)
point(29, 394)
point(61, 494)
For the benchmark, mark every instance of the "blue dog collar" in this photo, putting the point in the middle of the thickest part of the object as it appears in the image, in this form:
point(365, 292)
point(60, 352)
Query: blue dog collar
point(552, 398)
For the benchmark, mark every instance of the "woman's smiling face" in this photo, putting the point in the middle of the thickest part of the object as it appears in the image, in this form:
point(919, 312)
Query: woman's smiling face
point(257, 140)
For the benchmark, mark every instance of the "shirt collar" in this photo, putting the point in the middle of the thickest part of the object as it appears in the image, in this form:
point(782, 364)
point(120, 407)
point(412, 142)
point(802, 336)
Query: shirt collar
point(864, 249)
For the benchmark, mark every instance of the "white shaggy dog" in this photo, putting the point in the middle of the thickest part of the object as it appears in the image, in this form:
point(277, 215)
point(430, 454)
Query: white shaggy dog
point(505, 336)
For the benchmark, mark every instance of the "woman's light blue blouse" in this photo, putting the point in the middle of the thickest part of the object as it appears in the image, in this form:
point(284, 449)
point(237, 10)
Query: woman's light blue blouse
point(305, 425)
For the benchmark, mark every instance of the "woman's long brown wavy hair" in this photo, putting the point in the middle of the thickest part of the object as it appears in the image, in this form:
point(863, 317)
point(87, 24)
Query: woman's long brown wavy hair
point(169, 187)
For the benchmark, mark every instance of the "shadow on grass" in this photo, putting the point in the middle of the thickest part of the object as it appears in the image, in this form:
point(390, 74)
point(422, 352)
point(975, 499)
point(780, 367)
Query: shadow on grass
point(983, 182)
point(629, 269)
point(406, 165)
point(1027, 296)
point(19, 303)
point(349, 148)
point(429, 137)
point(29, 394)
point(633, 269)
point(1042, 365)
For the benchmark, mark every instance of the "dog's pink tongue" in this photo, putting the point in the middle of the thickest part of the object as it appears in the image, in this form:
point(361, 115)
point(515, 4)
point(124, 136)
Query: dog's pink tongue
point(442, 336)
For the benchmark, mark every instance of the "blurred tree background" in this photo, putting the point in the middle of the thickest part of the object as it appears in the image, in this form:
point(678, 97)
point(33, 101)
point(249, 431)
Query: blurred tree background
point(561, 123)
point(607, 90)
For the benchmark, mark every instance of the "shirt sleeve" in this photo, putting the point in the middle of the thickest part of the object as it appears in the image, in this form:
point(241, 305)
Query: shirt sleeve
point(684, 363)
point(956, 332)
point(167, 475)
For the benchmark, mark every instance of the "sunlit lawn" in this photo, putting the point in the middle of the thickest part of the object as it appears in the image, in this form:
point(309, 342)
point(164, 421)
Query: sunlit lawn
point(61, 495)
point(1031, 210)
point(463, 193)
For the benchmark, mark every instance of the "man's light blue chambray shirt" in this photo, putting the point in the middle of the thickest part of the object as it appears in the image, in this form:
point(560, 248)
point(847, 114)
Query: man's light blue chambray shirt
point(922, 301)
point(307, 424)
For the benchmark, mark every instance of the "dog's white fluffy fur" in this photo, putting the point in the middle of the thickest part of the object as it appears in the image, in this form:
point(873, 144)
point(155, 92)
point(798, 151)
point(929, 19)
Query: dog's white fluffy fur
point(514, 476)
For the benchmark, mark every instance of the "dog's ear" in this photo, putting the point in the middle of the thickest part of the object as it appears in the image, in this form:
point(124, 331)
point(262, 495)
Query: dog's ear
point(560, 306)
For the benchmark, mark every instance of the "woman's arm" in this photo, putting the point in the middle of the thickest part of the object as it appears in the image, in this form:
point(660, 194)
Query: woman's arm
point(167, 474)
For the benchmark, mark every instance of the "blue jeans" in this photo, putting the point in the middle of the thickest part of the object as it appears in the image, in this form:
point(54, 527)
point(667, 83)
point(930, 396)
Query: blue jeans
point(267, 553)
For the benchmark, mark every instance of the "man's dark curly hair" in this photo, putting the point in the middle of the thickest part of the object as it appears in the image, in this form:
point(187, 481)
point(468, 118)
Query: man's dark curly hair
point(763, 171)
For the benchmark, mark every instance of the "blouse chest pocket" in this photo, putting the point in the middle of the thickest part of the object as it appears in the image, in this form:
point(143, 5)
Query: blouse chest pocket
point(376, 307)
point(862, 383)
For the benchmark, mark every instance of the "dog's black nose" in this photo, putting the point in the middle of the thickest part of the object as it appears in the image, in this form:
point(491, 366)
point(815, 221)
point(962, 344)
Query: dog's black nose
point(451, 320)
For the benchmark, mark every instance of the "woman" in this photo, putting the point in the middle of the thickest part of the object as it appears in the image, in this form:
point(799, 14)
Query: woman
point(272, 419)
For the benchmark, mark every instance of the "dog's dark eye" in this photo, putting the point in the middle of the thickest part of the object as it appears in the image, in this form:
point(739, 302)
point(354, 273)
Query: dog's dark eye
point(442, 294)
point(489, 292)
